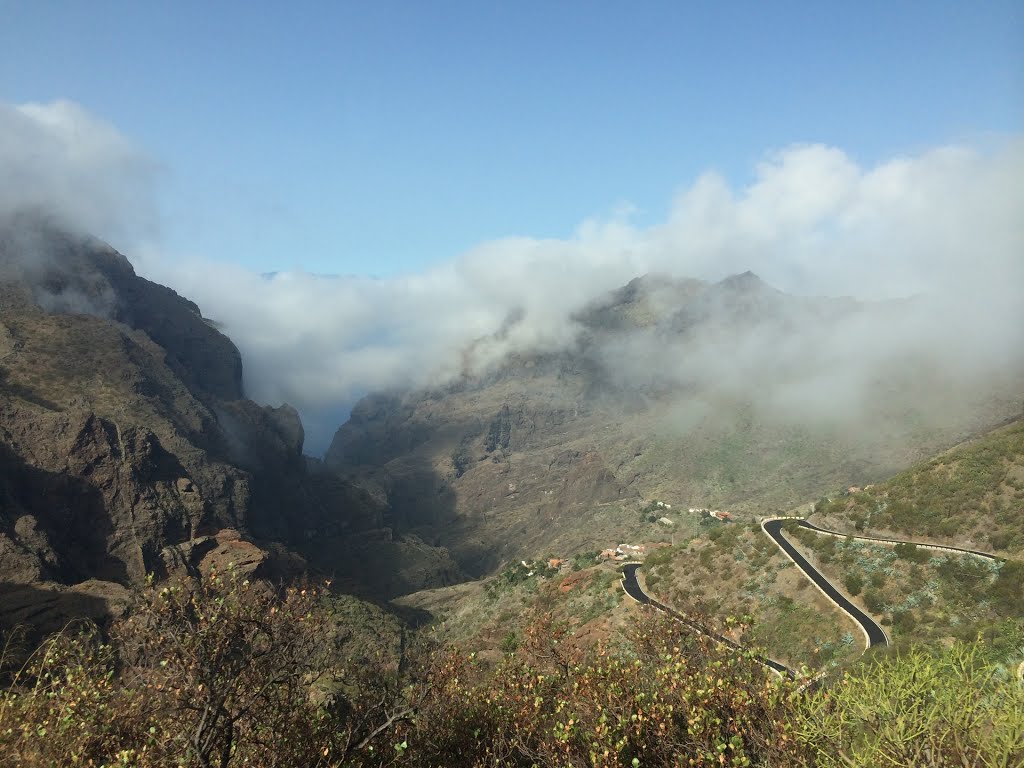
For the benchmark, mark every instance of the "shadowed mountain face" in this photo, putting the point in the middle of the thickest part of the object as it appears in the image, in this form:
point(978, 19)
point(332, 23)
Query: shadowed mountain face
point(697, 394)
point(124, 435)
point(61, 274)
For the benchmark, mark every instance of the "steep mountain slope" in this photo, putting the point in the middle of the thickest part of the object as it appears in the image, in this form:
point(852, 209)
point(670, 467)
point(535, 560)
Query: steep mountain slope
point(696, 394)
point(971, 496)
point(126, 446)
point(104, 444)
point(719, 570)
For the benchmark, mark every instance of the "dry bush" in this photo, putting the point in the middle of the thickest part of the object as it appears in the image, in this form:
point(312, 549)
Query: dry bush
point(657, 698)
point(223, 672)
point(216, 672)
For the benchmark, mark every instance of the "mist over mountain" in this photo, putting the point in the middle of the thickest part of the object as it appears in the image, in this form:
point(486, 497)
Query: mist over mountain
point(797, 360)
point(699, 393)
point(78, 169)
point(941, 226)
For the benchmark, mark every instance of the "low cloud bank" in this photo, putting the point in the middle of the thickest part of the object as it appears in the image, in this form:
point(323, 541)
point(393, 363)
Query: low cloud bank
point(944, 223)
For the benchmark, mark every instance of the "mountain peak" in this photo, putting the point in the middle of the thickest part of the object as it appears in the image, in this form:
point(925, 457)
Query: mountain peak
point(746, 281)
point(47, 265)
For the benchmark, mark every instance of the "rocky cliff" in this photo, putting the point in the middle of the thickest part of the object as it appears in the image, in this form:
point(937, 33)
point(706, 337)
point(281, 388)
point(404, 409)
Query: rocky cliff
point(126, 446)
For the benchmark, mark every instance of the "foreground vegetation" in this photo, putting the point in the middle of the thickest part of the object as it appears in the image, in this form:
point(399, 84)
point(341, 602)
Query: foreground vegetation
point(223, 672)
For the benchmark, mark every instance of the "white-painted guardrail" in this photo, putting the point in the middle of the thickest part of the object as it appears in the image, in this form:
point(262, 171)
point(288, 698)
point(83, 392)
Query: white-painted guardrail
point(894, 542)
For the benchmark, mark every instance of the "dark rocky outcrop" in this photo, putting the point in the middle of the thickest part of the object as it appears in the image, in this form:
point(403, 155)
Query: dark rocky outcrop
point(126, 447)
point(65, 274)
point(45, 607)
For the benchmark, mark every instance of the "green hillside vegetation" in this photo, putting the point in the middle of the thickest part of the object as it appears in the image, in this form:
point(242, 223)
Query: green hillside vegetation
point(224, 673)
point(733, 569)
point(493, 618)
point(919, 594)
point(718, 570)
point(973, 493)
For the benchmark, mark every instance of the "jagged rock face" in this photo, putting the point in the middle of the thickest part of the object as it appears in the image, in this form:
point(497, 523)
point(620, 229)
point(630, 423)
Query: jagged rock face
point(485, 473)
point(46, 607)
point(69, 275)
point(586, 479)
point(398, 567)
point(86, 498)
point(108, 454)
point(122, 428)
point(226, 551)
point(372, 434)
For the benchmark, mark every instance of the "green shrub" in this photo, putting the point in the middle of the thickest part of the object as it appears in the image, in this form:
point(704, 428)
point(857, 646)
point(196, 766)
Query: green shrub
point(904, 621)
point(913, 553)
point(510, 642)
point(1008, 590)
point(462, 459)
point(874, 601)
point(918, 709)
point(854, 583)
point(584, 560)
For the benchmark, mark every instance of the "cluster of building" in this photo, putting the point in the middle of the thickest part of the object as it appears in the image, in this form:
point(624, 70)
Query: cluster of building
point(718, 514)
point(637, 551)
point(619, 553)
point(856, 489)
point(624, 552)
point(630, 551)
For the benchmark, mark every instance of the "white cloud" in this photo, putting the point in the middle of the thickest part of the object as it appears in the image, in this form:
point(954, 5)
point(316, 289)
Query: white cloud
point(60, 158)
point(945, 221)
point(814, 221)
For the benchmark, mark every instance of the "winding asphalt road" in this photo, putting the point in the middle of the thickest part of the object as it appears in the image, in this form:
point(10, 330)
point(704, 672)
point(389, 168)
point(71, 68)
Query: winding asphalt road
point(632, 588)
point(872, 631)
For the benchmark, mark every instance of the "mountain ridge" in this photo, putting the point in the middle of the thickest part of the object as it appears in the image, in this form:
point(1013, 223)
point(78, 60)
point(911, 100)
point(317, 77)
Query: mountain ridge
point(673, 389)
point(127, 446)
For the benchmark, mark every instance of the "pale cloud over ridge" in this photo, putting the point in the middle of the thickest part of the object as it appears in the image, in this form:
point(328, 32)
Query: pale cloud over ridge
point(61, 158)
point(946, 222)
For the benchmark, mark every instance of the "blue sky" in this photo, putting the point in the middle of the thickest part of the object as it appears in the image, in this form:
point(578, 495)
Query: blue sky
point(461, 167)
point(381, 137)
